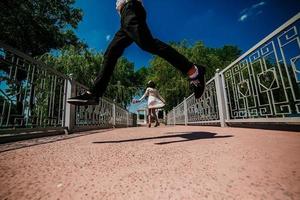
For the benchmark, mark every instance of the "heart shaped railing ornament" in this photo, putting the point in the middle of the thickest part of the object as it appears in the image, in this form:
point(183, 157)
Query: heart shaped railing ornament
point(267, 80)
point(243, 88)
point(296, 68)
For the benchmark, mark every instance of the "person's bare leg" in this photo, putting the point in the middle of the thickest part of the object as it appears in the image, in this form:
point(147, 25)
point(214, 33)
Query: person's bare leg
point(155, 117)
point(149, 117)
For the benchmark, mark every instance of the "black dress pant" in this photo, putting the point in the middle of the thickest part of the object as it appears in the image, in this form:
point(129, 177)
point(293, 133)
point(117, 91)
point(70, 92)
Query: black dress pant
point(134, 29)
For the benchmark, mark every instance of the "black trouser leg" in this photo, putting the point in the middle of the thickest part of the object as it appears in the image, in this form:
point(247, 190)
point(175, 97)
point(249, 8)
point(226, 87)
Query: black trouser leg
point(134, 28)
point(143, 38)
point(111, 56)
point(134, 24)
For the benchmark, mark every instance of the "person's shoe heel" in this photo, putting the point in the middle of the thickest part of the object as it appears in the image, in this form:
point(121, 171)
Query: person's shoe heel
point(198, 83)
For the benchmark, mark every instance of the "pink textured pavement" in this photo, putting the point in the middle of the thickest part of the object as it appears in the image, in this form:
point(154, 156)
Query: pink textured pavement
point(158, 163)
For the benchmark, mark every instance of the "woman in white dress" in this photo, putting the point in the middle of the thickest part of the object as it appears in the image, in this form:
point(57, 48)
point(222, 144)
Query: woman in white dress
point(155, 101)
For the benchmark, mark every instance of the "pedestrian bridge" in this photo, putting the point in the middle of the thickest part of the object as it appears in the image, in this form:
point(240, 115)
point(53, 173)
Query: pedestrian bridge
point(168, 162)
point(107, 156)
point(260, 87)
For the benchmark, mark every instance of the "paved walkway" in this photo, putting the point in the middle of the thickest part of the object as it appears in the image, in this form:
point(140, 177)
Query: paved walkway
point(158, 163)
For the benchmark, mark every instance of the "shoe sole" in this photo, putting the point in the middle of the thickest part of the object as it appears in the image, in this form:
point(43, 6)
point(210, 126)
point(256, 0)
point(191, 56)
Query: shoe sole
point(81, 102)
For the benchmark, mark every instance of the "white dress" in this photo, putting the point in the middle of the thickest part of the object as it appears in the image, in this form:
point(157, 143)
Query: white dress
point(154, 98)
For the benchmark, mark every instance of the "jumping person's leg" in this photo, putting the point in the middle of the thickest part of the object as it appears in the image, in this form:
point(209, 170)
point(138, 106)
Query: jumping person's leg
point(114, 51)
point(155, 117)
point(149, 117)
point(134, 24)
point(134, 28)
point(111, 56)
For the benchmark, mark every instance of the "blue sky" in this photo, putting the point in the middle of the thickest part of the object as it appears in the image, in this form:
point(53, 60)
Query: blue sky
point(215, 22)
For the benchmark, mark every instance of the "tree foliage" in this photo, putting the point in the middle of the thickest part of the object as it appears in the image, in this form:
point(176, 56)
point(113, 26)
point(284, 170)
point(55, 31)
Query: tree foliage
point(80, 63)
point(173, 85)
point(37, 26)
point(84, 65)
point(125, 83)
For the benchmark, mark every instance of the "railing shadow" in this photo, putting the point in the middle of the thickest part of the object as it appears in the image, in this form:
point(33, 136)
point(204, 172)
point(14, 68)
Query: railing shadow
point(190, 136)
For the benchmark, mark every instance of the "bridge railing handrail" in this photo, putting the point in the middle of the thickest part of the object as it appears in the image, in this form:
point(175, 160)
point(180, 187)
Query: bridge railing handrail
point(267, 38)
point(38, 63)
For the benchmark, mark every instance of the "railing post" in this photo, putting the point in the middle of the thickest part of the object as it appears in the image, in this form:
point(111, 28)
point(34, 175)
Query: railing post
point(227, 115)
point(185, 112)
point(221, 98)
point(70, 91)
point(127, 116)
point(114, 114)
point(174, 116)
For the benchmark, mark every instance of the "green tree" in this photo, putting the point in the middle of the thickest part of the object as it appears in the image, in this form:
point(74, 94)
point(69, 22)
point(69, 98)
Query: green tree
point(37, 26)
point(84, 65)
point(228, 54)
point(123, 84)
point(141, 77)
point(81, 63)
point(172, 85)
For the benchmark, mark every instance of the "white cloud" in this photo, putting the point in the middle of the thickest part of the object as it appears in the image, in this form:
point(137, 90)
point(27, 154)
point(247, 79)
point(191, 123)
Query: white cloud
point(253, 10)
point(258, 4)
point(108, 37)
point(243, 17)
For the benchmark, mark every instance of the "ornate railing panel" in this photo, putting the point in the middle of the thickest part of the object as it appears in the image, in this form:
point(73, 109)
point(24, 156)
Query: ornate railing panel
point(122, 116)
point(132, 119)
point(106, 114)
point(170, 118)
point(31, 95)
point(100, 115)
point(206, 108)
point(179, 114)
point(265, 82)
point(203, 110)
point(263, 85)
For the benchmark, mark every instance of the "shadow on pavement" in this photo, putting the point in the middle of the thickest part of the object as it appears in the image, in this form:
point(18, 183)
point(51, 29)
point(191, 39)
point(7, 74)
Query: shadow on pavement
point(186, 137)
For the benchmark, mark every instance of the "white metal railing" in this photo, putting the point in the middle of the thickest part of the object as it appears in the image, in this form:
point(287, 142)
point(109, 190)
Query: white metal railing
point(263, 85)
point(33, 96)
